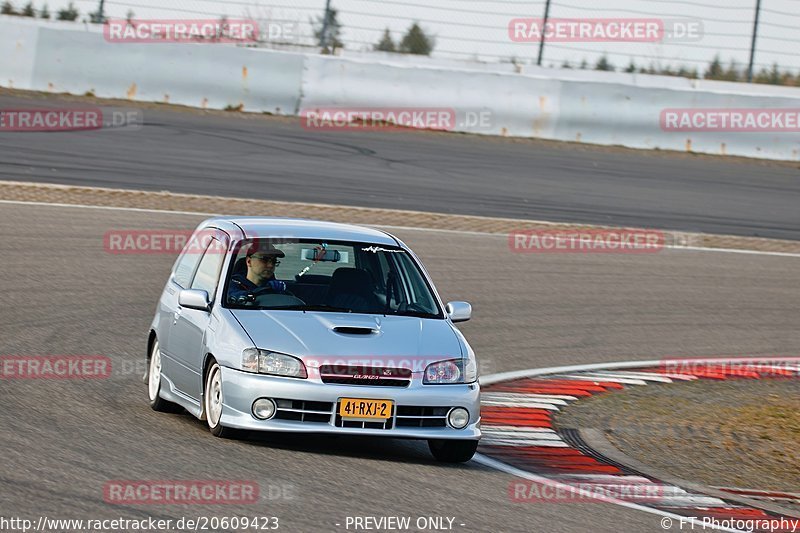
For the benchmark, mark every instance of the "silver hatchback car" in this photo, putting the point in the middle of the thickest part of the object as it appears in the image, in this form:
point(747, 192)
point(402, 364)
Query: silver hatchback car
point(306, 326)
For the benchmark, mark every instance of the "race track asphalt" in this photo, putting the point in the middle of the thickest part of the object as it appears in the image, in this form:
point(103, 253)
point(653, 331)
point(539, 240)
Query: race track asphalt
point(275, 158)
point(64, 440)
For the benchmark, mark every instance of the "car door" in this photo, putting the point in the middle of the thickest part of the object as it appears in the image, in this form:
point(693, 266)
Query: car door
point(180, 278)
point(191, 326)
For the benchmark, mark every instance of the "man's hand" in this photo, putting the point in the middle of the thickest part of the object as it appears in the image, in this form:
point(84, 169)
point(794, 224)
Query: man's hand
point(277, 285)
point(241, 299)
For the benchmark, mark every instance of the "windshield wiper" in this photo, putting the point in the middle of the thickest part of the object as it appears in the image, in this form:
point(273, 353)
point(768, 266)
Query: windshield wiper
point(312, 307)
point(419, 314)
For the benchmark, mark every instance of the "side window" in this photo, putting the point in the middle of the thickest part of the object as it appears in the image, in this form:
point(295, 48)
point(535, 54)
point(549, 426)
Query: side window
point(370, 263)
point(191, 255)
point(420, 296)
point(208, 272)
point(185, 267)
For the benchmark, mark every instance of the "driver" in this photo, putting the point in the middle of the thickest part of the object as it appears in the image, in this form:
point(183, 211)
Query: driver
point(262, 258)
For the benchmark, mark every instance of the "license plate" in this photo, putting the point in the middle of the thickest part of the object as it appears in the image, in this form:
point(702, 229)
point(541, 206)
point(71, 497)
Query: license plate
point(359, 408)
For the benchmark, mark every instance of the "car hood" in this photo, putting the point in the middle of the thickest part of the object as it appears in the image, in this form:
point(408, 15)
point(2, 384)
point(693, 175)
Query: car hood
point(328, 336)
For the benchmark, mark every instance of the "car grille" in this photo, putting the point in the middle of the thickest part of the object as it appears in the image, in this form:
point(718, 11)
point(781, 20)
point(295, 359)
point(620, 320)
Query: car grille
point(339, 422)
point(303, 411)
point(361, 375)
point(322, 412)
point(422, 417)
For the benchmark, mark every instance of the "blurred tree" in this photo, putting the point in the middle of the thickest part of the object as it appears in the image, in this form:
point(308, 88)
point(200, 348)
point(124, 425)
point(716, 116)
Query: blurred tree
point(416, 42)
point(386, 44)
point(732, 73)
point(45, 12)
point(332, 31)
point(223, 29)
point(631, 68)
point(68, 13)
point(28, 10)
point(603, 64)
point(7, 9)
point(714, 71)
point(775, 77)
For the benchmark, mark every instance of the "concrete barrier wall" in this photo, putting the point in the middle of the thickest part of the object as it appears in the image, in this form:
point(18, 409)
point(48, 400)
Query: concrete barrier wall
point(17, 53)
point(206, 76)
point(629, 115)
point(335, 82)
point(580, 106)
point(68, 58)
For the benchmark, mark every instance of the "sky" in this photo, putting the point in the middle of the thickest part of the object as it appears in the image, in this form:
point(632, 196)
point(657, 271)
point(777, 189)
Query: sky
point(478, 29)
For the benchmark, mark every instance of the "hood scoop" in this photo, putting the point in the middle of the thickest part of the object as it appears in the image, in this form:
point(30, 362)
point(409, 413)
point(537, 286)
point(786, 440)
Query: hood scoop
point(354, 330)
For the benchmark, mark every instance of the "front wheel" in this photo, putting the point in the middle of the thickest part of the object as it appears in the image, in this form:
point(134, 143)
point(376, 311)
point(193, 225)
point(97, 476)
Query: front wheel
point(157, 403)
point(213, 402)
point(452, 451)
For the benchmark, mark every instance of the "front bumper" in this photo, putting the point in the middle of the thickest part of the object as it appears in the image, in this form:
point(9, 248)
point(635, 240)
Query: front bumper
point(241, 389)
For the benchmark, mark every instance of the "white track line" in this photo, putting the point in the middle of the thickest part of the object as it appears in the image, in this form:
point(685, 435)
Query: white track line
point(631, 375)
point(520, 400)
point(506, 403)
point(521, 396)
point(597, 378)
point(392, 227)
point(658, 363)
point(680, 377)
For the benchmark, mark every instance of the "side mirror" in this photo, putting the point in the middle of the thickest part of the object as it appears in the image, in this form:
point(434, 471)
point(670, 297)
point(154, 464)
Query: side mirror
point(194, 299)
point(458, 311)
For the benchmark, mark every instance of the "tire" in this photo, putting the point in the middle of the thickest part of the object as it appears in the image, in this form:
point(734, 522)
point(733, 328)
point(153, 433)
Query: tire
point(452, 451)
point(157, 403)
point(212, 402)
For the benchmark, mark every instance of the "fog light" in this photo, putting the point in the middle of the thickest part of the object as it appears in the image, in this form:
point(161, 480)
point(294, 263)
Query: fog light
point(458, 418)
point(263, 408)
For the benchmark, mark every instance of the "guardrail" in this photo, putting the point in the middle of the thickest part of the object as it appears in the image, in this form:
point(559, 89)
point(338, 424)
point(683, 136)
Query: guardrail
point(579, 106)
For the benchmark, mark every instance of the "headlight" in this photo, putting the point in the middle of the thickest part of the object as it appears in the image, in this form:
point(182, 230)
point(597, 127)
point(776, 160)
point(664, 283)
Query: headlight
point(273, 363)
point(471, 369)
point(444, 373)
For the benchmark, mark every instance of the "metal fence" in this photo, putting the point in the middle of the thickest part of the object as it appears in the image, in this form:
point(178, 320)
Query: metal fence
point(478, 30)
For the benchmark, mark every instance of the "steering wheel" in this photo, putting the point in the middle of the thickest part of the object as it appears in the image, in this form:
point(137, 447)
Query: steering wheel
point(277, 299)
point(269, 290)
point(413, 306)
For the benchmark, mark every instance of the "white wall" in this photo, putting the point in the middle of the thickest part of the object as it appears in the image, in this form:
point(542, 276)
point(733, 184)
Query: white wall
point(572, 105)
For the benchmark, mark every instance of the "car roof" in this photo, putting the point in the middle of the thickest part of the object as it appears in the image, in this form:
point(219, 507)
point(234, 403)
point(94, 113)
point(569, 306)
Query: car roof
point(300, 228)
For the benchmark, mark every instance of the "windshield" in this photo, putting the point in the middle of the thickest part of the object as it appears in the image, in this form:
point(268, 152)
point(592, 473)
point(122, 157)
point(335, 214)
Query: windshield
point(332, 276)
